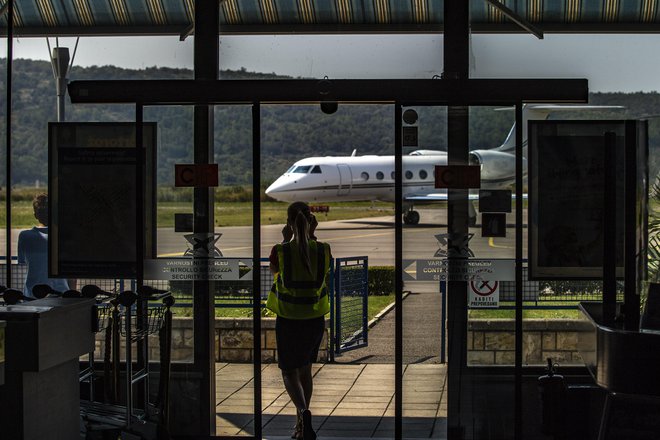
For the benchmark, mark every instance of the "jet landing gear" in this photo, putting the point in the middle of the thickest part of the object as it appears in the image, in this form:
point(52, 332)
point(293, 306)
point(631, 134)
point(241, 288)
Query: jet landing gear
point(411, 217)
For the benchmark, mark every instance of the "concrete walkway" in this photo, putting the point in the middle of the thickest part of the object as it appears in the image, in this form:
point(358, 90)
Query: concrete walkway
point(422, 327)
point(349, 401)
point(354, 396)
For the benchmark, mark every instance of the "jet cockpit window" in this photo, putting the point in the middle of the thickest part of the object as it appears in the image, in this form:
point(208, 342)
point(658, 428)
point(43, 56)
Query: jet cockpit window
point(316, 169)
point(303, 169)
point(290, 170)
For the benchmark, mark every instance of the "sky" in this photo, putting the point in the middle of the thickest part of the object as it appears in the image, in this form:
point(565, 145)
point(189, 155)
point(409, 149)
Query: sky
point(627, 63)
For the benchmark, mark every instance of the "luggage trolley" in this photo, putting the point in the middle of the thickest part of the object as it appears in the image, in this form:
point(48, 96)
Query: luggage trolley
point(133, 319)
point(103, 313)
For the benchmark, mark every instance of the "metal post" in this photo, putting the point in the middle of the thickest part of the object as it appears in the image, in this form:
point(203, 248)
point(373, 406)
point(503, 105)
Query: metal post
point(631, 260)
point(609, 229)
point(365, 300)
point(256, 264)
point(60, 61)
point(398, 273)
point(519, 274)
point(205, 68)
point(443, 318)
point(337, 305)
point(456, 67)
point(142, 306)
point(333, 346)
point(10, 66)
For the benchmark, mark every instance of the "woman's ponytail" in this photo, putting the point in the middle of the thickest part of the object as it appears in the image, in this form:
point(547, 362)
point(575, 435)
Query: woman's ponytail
point(300, 234)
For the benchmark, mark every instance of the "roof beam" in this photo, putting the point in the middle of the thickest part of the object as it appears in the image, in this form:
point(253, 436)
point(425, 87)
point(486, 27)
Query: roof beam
point(332, 29)
point(4, 7)
point(417, 91)
point(187, 32)
point(511, 15)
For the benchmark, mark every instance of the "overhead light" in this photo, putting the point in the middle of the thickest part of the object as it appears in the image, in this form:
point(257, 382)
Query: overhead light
point(329, 107)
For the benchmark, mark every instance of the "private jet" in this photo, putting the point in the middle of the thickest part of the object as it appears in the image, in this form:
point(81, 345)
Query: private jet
point(360, 178)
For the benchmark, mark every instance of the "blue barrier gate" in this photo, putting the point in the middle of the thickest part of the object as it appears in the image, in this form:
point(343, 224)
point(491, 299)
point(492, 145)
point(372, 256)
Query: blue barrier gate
point(350, 330)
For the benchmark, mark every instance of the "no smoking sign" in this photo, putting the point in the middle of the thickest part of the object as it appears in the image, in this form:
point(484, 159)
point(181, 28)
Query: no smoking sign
point(484, 294)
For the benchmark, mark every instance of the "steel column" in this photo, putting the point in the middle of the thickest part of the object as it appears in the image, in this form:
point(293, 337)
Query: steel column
point(609, 229)
point(457, 224)
point(632, 216)
point(205, 68)
point(398, 273)
point(256, 264)
point(456, 68)
point(519, 275)
point(10, 65)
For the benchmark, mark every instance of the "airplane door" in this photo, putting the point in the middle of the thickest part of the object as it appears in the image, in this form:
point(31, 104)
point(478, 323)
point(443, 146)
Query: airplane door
point(345, 179)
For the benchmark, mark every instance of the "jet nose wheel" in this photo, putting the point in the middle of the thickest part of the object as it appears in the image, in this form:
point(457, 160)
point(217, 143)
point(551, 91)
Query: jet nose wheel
point(411, 218)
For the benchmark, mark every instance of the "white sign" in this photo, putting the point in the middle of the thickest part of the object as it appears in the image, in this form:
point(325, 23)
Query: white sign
point(484, 294)
point(465, 270)
point(186, 269)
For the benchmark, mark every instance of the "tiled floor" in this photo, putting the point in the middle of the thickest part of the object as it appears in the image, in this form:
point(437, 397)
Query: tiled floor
point(349, 401)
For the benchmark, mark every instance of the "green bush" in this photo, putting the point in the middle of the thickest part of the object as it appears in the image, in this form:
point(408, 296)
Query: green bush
point(381, 280)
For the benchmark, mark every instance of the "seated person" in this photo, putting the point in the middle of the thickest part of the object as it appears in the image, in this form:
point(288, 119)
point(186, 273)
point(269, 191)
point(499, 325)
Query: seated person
point(33, 250)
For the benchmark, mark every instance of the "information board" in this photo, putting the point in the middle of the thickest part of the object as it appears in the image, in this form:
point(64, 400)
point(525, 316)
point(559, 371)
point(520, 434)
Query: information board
point(566, 198)
point(436, 269)
point(93, 198)
point(188, 269)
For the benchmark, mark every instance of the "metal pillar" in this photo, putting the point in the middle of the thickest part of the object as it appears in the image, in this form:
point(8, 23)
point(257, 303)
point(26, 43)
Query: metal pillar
point(632, 263)
point(256, 264)
point(398, 273)
point(59, 59)
point(456, 67)
point(609, 230)
point(10, 61)
point(518, 422)
point(206, 68)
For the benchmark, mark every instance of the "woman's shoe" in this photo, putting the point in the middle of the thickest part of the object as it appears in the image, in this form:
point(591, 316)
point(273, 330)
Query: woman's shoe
point(298, 430)
point(308, 431)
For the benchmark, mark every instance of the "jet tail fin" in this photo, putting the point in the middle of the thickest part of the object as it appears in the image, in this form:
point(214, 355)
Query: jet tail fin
point(532, 112)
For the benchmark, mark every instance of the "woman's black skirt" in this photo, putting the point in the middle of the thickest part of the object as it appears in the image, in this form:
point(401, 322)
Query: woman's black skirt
point(298, 341)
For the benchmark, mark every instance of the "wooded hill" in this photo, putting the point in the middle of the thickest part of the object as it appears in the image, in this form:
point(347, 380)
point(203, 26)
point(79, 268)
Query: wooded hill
point(289, 132)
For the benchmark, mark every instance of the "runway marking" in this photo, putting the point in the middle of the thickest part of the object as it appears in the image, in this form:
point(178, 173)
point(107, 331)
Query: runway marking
point(349, 237)
point(491, 243)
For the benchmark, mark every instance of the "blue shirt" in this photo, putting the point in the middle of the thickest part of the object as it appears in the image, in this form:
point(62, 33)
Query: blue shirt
point(33, 251)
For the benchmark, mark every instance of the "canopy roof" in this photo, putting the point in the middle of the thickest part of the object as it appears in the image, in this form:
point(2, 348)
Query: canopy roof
point(175, 17)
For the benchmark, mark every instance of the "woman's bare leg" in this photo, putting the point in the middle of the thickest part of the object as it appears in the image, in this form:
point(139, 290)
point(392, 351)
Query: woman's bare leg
point(294, 388)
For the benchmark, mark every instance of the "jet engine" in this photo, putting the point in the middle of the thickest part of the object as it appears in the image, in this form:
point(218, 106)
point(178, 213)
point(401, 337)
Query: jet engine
point(498, 169)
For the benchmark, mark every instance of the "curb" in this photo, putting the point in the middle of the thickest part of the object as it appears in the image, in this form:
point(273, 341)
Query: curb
point(384, 312)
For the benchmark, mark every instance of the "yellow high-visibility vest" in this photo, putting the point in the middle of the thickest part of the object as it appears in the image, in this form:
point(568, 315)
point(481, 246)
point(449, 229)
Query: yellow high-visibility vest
point(296, 293)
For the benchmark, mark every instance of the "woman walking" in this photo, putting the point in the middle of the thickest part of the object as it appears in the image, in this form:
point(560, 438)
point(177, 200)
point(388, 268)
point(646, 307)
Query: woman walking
point(299, 298)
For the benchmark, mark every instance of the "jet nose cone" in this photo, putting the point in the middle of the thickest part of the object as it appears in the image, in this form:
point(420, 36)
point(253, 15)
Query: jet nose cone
point(278, 189)
point(271, 189)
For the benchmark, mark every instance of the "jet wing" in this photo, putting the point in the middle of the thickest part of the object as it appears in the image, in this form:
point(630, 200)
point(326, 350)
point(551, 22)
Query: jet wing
point(441, 197)
point(432, 197)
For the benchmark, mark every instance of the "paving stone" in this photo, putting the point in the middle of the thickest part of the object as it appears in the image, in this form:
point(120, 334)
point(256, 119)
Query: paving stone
point(350, 401)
